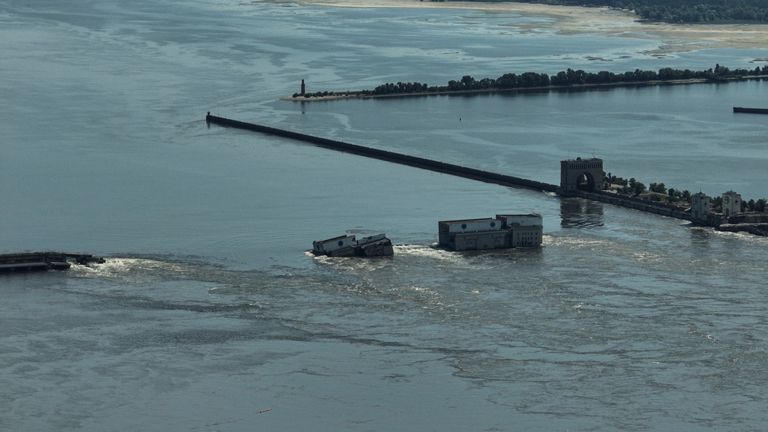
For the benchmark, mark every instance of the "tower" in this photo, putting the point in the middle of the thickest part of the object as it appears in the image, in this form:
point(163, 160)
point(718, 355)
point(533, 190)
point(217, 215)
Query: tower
point(581, 174)
point(700, 207)
point(731, 204)
point(303, 88)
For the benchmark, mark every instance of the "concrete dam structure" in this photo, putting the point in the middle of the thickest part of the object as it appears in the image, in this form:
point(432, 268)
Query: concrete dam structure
point(418, 162)
point(747, 110)
point(580, 178)
point(500, 232)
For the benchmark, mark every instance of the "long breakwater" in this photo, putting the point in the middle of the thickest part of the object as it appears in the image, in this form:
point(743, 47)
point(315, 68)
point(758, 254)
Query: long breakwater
point(414, 161)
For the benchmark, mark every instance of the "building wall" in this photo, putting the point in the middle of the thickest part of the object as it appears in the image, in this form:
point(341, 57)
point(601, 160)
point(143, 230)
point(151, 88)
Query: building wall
point(521, 219)
point(731, 204)
point(330, 245)
point(700, 206)
point(527, 236)
point(473, 225)
point(372, 238)
point(478, 234)
point(480, 240)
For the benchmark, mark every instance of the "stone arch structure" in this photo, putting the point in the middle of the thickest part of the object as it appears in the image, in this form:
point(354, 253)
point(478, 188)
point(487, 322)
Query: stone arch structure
point(581, 174)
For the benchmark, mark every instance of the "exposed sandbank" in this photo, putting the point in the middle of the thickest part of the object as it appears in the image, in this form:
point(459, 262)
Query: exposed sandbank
point(580, 20)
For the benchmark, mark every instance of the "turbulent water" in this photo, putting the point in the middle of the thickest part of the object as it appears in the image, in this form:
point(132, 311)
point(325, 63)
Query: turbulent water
point(209, 313)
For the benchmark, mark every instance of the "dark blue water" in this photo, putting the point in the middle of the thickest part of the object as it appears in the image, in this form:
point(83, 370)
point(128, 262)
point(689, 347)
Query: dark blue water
point(210, 315)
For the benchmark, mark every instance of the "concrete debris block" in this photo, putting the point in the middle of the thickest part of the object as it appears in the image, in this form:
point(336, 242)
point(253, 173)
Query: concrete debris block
point(377, 248)
point(42, 261)
point(348, 246)
point(347, 251)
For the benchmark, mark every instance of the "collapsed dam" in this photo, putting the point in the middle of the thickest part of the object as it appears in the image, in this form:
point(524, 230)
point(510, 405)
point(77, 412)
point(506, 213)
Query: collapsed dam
point(580, 178)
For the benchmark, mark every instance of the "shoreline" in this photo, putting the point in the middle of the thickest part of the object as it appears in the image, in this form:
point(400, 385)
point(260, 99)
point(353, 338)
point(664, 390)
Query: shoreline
point(573, 87)
point(585, 20)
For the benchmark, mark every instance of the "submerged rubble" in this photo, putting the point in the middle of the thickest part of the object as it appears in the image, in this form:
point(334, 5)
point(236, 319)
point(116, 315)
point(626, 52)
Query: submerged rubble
point(43, 261)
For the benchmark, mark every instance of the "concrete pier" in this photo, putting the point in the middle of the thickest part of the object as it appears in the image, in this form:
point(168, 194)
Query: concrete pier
point(634, 203)
point(423, 163)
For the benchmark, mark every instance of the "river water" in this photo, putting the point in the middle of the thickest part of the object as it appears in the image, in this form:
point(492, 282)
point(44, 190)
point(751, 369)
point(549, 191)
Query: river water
point(210, 314)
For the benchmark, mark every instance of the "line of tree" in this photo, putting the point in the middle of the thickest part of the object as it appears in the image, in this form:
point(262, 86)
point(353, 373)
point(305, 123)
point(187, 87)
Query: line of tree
point(660, 192)
point(678, 11)
point(565, 78)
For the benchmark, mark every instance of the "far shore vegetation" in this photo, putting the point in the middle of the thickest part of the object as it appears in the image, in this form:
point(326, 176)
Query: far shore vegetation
point(568, 79)
point(677, 11)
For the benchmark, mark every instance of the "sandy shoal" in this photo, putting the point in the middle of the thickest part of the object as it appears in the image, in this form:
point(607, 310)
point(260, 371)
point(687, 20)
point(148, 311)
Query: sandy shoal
point(579, 20)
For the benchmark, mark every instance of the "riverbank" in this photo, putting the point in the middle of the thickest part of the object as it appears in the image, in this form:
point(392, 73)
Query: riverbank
point(676, 38)
point(361, 94)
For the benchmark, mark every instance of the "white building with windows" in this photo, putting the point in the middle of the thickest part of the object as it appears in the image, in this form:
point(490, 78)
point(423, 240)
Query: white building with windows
point(341, 245)
point(501, 232)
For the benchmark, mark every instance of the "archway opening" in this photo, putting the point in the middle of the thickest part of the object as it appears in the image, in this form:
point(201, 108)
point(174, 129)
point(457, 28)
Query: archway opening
point(585, 182)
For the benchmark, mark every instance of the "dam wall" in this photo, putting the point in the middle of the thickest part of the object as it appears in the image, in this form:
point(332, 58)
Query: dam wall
point(750, 110)
point(634, 203)
point(414, 161)
point(457, 170)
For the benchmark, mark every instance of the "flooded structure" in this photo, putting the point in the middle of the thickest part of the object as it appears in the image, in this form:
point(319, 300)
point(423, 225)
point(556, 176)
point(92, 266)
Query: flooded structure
point(701, 207)
point(500, 232)
point(349, 246)
point(579, 174)
point(43, 261)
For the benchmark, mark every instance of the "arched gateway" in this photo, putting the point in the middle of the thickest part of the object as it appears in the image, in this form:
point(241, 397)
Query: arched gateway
point(581, 174)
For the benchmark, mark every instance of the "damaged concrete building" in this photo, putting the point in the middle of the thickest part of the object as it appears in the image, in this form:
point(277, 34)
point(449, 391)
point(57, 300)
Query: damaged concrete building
point(500, 232)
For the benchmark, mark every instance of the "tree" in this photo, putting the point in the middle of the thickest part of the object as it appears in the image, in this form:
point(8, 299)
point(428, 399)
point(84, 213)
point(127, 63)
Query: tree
point(760, 205)
point(637, 188)
point(509, 80)
point(658, 188)
point(674, 194)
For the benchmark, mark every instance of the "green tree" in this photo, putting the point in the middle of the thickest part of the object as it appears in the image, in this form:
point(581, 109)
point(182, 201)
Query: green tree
point(760, 205)
point(674, 194)
point(658, 188)
point(637, 188)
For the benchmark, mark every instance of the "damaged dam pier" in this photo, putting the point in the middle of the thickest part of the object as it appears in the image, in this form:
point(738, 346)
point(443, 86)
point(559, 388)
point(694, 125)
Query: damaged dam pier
point(580, 178)
point(418, 162)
